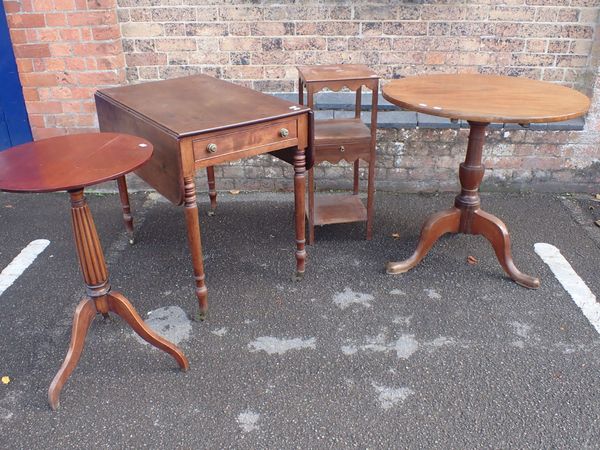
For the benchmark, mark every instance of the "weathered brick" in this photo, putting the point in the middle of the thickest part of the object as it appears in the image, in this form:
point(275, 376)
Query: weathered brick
point(239, 43)
point(240, 13)
point(146, 59)
point(375, 12)
point(510, 14)
point(174, 15)
point(271, 28)
point(165, 45)
point(141, 29)
point(304, 43)
point(405, 28)
point(206, 29)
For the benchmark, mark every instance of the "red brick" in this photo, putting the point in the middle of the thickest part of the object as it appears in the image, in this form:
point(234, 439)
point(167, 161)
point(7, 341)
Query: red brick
point(100, 4)
point(98, 78)
point(48, 35)
point(44, 107)
point(42, 5)
point(86, 34)
point(11, 7)
point(24, 65)
point(57, 49)
point(111, 62)
point(64, 5)
point(31, 94)
point(26, 21)
point(55, 64)
point(70, 34)
point(92, 18)
point(106, 33)
point(56, 20)
point(75, 63)
point(32, 50)
point(36, 120)
point(91, 48)
point(18, 37)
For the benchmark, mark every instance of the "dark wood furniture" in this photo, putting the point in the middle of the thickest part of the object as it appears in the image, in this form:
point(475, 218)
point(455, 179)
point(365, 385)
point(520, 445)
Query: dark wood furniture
point(480, 100)
point(71, 163)
point(341, 139)
point(196, 122)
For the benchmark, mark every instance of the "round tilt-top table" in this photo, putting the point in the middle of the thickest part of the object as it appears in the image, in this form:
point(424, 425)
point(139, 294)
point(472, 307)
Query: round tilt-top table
point(480, 100)
point(70, 163)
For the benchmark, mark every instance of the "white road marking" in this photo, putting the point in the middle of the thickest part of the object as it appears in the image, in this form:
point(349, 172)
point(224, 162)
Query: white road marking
point(573, 284)
point(21, 262)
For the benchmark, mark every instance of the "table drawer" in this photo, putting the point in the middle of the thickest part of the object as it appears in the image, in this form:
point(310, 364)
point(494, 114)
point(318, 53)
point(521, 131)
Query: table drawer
point(279, 135)
point(349, 152)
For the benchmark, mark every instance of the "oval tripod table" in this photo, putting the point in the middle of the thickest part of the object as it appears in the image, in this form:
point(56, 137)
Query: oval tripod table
point(480, 100)
point(70, 163)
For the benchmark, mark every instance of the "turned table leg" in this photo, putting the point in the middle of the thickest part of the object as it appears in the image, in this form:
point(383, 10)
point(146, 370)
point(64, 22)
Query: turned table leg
point(299, 205)
point(467, 217)
point(195, 243)
point(125, 206)
point(99, 298)
point(212, 190)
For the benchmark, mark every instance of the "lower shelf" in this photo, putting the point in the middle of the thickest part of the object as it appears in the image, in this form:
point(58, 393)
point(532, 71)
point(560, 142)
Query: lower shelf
point(338, 208)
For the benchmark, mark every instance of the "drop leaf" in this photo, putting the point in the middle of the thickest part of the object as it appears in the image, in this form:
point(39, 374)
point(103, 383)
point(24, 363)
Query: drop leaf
point(5, 380)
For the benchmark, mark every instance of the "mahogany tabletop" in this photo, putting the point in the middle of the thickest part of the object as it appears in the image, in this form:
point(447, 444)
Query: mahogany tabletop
point(336, 72)
point(199, 103)
point(71, 162)
point(487, 98)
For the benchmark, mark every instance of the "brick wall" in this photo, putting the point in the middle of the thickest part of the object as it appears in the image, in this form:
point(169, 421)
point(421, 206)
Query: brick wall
point(67, 48)
point(258, 43)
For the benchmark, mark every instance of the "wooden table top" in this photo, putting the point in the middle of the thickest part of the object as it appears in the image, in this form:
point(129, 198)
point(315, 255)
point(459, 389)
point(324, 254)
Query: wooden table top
point(199, 103)
point(336, 72)
point(71, 162)
point(487, 98)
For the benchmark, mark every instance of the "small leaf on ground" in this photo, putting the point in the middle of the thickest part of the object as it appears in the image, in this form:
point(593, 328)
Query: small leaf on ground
point(472, 260)
point(5, 380)
point(597, 222)
point(396, 235)
point(234, 191)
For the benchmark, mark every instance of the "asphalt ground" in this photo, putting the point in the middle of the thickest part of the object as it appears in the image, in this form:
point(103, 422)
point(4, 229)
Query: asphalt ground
point(448, 355)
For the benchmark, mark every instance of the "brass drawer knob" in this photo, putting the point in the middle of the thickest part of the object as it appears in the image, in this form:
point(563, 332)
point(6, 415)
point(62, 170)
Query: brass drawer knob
point(342, 149)
point(211, 148)
point(284, 132)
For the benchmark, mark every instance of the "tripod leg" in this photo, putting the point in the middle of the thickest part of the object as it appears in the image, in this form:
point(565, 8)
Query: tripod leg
point(494, 230)
point(436, 226)
point(118, 304)
point(84, 314)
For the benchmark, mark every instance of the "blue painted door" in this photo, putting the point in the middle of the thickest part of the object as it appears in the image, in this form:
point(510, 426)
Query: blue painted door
point(14, 124)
